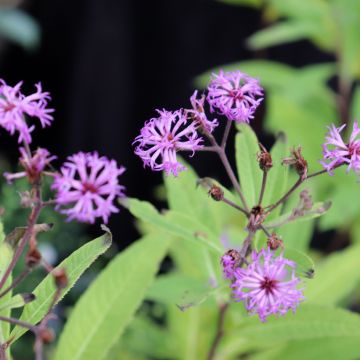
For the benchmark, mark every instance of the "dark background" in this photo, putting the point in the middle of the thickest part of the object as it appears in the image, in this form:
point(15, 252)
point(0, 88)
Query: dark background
point(108, 64)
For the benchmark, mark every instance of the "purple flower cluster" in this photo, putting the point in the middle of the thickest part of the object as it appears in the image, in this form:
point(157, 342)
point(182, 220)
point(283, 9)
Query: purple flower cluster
point(232, 94)
point(336, 152)
point(87, 186)
point(14, 107)
point(235, 95)
point(267, 285)
point(162, 137)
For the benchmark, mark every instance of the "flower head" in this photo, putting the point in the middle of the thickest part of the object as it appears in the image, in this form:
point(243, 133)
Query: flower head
point(197, 113)
point(33, 165)
point(268, 285)
point(87, 186)
point(235, 95)
point(14, 106)
point(336, 152)
point(162, 137)
point(229, 261)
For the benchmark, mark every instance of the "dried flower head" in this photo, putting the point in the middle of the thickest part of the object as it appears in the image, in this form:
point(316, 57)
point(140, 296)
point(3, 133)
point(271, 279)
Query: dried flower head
point(33, 165)
point(216, 193)
point(197, 113)
point(264, 158)
point(298, 162)
point(163, 136)
point(14, 107)
point(336, 152)
point(87, 186)
point(268, 285)
point(235, 95)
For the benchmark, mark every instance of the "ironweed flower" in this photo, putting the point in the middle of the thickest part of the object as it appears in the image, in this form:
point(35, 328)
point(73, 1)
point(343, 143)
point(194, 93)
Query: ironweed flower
point(268, 285)
point(14, 106)
point(229, 261)
point(198, 115)
point(87, 186)
point(337, 152)
point(235, 95)
point(162, 137)
point(33, 165)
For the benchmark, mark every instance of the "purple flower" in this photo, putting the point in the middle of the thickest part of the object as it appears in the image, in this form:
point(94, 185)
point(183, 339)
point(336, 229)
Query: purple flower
point(235, 95)
point(87, 186)
point(228, 263)
point(336, 152)
point(197, 113)
point(14, 106)
point(34, 165)
point(268, 285)
point(162, 137)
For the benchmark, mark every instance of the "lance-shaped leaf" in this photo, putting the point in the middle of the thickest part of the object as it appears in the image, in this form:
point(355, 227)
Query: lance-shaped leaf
point(247, 148)
point(74, 266)
point(106, 308)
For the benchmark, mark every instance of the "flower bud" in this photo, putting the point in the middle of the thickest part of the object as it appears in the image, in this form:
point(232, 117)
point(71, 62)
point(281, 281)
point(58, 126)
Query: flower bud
point(60, 277)
point(274, 242)
point(216, 193)
point(46, 335)
point(33, 257)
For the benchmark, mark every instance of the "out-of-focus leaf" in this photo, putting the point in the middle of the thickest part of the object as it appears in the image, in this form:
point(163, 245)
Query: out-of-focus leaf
point(117, 293)
point(250, 3)
point(19, 27)
point(335, 277)
point(74, 266)
point(143, 339)
point(281, 33)
point(250, 175)
point(305, 266)
point(17, 301)
point(271, 74)
point(181, 290)
point(6, 254)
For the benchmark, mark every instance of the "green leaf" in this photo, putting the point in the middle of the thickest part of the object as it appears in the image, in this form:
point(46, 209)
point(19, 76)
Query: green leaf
point(74, 265)
point(19, 27)
point(17, 301)
point(6, 254)
point(305, 266)
point(277, 177)
point(335, 277)
point(310, 321)
point(272, 74)
point(250, 175)
point(281, 33)
point(309, 333)
point(174, 223)
point(250, 3)
point(106, 308)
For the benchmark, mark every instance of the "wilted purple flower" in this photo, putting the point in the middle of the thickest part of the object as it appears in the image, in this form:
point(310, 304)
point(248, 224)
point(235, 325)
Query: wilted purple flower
point(235, 95)
point(268, 285)
point(33, 165)
point(14, 106)
point(198, 115)
point(87, 186)
point(336, 152)
point(162, 137)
